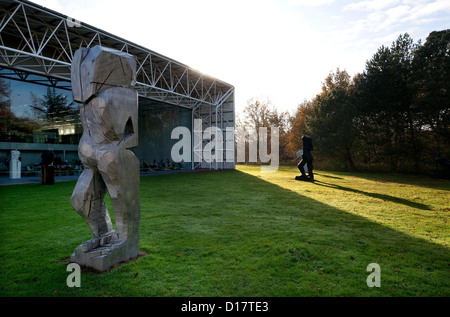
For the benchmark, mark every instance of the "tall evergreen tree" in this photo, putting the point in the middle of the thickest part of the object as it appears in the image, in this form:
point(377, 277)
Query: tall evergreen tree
point(385, 103)
point(333, 125)
point(432, 90)
point(53, 105)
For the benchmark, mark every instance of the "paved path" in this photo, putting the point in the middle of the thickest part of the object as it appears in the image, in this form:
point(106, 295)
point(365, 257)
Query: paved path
point(34, 179)
point(5, 180)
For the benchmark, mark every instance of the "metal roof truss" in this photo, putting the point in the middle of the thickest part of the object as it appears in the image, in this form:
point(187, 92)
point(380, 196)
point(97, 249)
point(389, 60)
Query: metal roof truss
point(41, 41)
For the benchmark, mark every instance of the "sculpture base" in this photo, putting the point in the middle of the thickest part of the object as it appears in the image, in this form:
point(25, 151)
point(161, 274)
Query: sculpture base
point(303, 178)
point(105, 256)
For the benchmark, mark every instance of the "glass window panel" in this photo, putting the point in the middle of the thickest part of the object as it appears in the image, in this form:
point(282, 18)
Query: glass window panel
point(156, 122)
point(35, 109)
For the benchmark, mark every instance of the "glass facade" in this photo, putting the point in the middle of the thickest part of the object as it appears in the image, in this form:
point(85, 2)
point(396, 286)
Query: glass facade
point(38, 114)
point(34, 109)
point(156, 122)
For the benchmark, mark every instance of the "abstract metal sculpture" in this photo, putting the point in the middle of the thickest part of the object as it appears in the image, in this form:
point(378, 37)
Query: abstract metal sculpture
point(102, 79)
point(307, 159)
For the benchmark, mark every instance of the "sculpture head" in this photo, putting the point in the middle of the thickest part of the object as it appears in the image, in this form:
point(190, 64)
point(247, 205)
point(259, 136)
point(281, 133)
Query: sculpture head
point(99, 68)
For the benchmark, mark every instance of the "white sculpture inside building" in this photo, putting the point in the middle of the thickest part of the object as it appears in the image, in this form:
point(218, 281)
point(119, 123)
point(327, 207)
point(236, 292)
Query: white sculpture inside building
point(15, 165)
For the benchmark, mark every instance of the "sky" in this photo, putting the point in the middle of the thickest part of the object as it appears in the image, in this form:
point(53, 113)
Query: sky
point(277, 50)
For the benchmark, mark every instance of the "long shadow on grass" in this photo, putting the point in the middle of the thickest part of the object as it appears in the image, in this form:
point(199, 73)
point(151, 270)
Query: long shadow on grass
point(375, 195)
point(328, 176)
point(405, 179)
point(244, 236)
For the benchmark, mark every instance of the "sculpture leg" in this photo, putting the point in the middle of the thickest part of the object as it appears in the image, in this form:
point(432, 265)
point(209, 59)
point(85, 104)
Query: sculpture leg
point(87, 199)
point(310, 170)
point(123, 187)
point(301, 167)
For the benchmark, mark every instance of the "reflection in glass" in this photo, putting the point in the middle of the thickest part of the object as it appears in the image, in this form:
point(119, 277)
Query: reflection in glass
point(37, 113)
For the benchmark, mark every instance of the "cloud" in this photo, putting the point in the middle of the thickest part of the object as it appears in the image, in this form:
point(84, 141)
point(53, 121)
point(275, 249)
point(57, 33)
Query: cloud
point(423, 10)
point(370, 5)
point(413, 8)
point(386, 16)
point(309, 3)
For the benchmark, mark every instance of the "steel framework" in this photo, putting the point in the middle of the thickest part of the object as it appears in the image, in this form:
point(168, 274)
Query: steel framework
point(36, 40)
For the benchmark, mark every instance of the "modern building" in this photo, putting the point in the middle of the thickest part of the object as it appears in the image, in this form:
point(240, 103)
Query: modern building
point(37, 112)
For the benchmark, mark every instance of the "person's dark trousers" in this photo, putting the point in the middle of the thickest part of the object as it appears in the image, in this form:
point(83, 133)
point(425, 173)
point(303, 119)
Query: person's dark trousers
point(309, 164)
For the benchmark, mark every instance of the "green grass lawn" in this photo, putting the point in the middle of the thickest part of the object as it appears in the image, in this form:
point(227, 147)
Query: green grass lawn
point(242, 233)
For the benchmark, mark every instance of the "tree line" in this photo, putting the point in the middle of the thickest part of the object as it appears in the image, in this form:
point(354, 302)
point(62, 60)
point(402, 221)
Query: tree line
point(393, 116)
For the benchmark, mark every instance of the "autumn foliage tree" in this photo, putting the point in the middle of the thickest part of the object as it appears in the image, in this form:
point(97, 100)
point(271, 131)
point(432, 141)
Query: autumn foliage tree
point(261, 113)
point(298, 128)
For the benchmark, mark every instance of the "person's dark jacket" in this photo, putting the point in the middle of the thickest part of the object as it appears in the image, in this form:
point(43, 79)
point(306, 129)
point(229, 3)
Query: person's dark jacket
point(307, 148)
